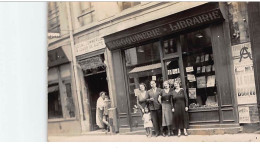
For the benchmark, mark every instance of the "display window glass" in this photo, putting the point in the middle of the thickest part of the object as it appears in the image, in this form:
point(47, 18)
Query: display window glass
point(142, 65)
point(70, 106)
point(54, 102)
point(173, 71)
point(199, 70)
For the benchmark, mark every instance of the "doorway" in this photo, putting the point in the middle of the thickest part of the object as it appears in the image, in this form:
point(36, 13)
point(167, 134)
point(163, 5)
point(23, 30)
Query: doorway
point(95, 84)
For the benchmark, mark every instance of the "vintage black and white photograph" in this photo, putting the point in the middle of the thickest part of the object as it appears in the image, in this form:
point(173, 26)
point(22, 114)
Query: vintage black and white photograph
point(153, 71)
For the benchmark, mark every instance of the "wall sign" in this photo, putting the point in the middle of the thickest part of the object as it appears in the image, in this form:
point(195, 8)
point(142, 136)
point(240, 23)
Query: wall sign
point(89, 45)
point(166, 29)
point(244, 116)
point(244, 74)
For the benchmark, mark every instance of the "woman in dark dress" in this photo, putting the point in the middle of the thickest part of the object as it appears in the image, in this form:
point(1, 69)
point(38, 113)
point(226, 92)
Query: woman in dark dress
point(142, 97)
point(166, 100)
point(180, 108)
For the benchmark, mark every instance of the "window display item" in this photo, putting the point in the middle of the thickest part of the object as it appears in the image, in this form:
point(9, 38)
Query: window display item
point(174, 71)
point(198, 69)
point(207, 57)
point(211, 101)
point(191, 77)
point(201, 82)
point(192, 93)
point(189, 69)
point(202, 58)
point(208, 68)
point(203, 69)
point(211, 81)
point(198, 59)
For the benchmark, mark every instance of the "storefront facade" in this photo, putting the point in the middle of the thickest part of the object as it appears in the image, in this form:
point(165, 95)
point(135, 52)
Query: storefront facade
point(198, 43)
point(93, 74)
point(63, 113)
point(193, 46)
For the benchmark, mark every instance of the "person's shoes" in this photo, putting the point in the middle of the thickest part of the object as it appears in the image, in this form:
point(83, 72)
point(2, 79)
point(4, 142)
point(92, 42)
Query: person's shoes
point(163, 134)
point(156, 134)
point(185, 133)
point(169, 134)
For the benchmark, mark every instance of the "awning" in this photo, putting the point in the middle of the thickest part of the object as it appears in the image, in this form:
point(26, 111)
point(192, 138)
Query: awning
point(57, 57)
point(91, 63)
point(53, 88)
point(145, 68)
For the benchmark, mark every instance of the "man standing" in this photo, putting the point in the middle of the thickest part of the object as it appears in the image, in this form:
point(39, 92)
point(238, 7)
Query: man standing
point(155, 107)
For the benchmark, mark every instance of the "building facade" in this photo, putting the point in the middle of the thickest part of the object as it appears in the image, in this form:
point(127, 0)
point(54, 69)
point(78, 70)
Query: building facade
point(115, 46)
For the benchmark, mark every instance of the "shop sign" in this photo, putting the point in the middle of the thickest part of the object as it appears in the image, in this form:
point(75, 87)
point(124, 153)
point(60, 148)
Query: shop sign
point(89, 45)
point(244, 116)
point(244, 74)
point(166, 29)
point(91, 63)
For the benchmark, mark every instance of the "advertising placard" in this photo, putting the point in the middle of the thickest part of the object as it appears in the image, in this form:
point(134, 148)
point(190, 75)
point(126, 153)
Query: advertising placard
point(244, 73)
point(244, 116)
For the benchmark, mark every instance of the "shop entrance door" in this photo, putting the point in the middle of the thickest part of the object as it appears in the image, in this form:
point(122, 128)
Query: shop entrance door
point(95, 84)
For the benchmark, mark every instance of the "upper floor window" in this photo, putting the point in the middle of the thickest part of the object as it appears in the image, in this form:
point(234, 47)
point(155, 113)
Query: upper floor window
point(53, 18)
point(126, 5)
point(87, 13)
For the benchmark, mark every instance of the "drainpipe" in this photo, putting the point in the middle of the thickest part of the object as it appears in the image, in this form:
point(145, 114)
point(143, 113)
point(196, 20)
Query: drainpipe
point(75, 71)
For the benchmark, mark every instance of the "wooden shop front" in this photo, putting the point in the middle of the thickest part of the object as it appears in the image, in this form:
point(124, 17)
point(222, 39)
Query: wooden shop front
point(191, 46)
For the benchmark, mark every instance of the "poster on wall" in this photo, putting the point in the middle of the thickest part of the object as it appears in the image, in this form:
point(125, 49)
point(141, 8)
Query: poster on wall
point(244, 73)
point(244, 116)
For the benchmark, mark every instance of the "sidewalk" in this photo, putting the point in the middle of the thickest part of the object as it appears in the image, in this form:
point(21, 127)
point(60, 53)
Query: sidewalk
point(142, 138)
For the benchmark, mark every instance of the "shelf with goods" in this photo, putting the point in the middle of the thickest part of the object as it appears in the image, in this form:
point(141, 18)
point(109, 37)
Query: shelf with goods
point(200, 79)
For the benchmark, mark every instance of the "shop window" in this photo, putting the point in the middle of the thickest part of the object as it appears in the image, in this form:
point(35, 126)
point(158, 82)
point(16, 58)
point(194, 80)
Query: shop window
point(142, 65)
point(173, 71)
point(53, 18)
point(199, 70)
point(126, 5)
point(54, 102)
point(70, 106)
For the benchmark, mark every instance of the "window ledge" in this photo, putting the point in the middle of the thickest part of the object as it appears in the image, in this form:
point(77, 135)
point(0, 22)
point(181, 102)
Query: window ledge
point(61, 120)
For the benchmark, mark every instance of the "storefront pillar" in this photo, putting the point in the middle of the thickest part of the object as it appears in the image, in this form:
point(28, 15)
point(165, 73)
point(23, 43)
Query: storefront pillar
point(254, 24)
point(84, 125)
point(120, 91)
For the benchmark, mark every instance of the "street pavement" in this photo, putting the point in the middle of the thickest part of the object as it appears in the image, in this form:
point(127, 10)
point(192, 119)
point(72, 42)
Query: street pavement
point(241, 137)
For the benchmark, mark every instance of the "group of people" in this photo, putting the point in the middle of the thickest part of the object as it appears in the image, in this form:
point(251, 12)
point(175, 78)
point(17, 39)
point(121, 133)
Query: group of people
point(164, 110)
point(103, 104)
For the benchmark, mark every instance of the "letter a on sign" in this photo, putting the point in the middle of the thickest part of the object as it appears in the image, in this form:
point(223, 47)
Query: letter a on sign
point(244, 53)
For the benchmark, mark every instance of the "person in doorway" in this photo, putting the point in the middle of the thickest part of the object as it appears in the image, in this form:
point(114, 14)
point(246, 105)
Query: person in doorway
point(147, 122)
point(100, 109)
point(166, 99)
point(155, 107)
point(180, 109)
point(107, 105)
point(142, 97)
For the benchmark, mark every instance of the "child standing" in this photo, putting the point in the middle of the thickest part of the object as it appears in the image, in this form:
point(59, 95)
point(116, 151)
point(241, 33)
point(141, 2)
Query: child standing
point(147, 122)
